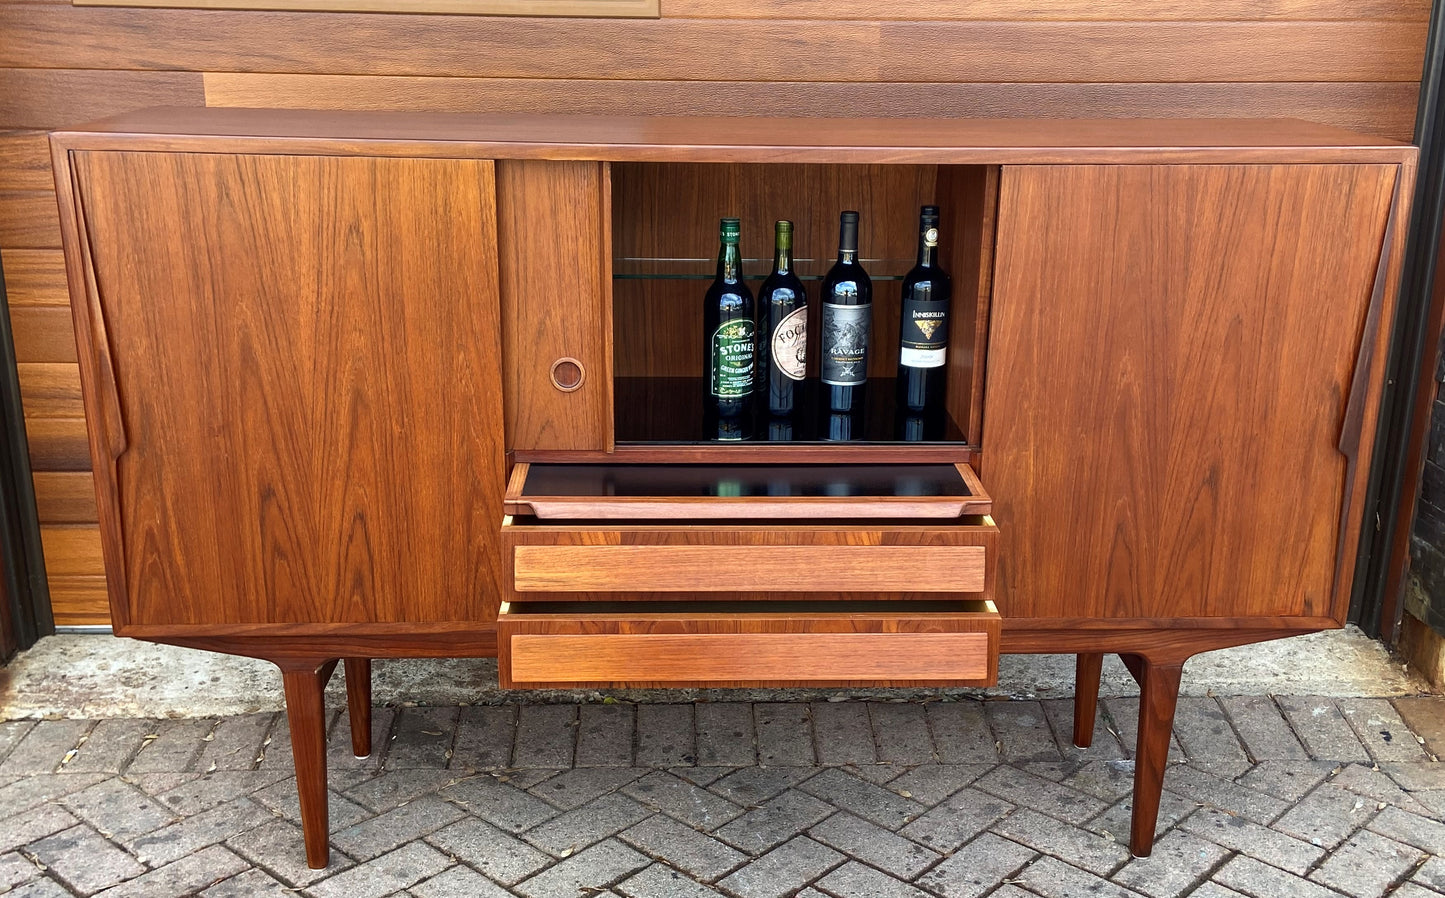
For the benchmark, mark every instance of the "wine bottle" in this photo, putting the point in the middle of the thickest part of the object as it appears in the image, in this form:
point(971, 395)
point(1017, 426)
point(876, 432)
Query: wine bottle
point(782, 328)
point(847, 313)
point(728, 343)
point(923, 332)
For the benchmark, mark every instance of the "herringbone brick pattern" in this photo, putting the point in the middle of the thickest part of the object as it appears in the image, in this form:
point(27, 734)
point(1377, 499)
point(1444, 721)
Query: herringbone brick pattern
point(1267, 798)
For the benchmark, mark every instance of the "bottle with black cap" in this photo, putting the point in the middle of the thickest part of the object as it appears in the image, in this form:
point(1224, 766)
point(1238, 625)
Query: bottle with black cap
point(923, 337)
point(847, 326)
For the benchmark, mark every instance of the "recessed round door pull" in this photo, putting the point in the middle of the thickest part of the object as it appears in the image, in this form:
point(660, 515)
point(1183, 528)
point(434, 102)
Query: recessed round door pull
point(568, 374)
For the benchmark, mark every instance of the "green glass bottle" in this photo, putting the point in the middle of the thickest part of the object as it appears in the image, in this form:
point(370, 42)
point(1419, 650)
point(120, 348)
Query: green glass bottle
point(729, 344)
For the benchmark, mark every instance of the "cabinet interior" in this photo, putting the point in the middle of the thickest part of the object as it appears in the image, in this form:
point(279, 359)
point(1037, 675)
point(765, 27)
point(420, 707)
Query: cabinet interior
point(664, 248)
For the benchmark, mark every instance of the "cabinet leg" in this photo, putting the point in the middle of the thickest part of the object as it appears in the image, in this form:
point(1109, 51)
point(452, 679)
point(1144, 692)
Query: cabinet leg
point(1159, 693)
point(1087, 670)
point(306, 713)
point(358, 704)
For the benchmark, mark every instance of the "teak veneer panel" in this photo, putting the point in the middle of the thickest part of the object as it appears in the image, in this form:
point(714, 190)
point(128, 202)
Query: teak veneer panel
point(740, 658)
point(50, 97)
point(664, 568)
point(578, 8)
point(1056, 10)
point(58, 444)
point(1177, 344)
point(25, 161)
point(35, 277)
point(618, 138)
point(28, 219)
point(329, 332)
point(553, 252)
point(705, 646)
point(65, 497)
point(1382, 108)
point(685, 49)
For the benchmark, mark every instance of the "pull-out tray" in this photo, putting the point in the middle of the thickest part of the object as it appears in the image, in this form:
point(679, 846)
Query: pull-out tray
point(600, 492)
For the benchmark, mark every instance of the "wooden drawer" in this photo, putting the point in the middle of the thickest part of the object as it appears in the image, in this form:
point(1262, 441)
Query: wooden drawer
point(754, 561)
point(741, 644)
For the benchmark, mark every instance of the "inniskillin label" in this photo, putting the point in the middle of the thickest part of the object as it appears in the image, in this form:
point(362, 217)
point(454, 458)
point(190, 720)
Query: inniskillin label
point(924, 340)
point(732, 359)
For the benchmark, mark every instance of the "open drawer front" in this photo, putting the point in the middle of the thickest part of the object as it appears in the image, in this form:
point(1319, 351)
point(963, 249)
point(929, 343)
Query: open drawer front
point(741, 644)
point(633, 492)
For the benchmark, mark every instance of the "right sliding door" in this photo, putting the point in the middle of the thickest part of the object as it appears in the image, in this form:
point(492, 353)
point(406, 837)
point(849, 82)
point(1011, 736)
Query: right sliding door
point(1173, 413)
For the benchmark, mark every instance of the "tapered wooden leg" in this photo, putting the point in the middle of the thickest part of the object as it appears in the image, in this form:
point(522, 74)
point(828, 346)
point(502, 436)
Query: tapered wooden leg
point(306, 713)
point(358, 704)
point(1087, 670)
point(1159, 693)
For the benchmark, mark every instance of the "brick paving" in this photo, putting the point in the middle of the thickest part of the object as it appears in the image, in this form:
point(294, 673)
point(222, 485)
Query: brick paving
point(1266, 797)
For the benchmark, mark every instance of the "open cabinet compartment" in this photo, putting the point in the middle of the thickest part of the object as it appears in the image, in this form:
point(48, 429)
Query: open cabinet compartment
point(664, 245)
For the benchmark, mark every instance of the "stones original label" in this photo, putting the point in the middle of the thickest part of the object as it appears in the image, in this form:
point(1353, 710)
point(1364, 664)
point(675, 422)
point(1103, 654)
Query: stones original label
point(845, 344)
point(789, 346)
point(924, 337)
point(732, 360)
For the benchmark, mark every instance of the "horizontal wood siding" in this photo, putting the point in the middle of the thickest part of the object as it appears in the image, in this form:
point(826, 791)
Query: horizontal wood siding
point(1354, 63)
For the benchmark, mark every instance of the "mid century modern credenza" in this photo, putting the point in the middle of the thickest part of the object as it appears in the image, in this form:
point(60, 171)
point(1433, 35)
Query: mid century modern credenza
point(368, 385)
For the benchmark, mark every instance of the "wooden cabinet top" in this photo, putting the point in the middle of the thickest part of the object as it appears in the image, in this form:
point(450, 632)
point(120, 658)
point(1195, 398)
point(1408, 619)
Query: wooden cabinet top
point(739, 139)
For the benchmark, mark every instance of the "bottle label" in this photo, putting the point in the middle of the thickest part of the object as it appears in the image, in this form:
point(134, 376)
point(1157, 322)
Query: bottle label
point(790, 344)
point(732, 360)
point(924, 337)
point(845, 344)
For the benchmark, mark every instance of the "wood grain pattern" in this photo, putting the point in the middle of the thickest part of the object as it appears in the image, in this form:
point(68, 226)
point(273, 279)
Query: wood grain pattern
point(740, 648)
point(42, 334)
point(72, 550)
point(676, 49)
point(305, 687)
point(594, 8)
point(777, 568)
point(555, 302)
point(78, 601)
point(25, 161)
point(267, 478)
point(35, 277)
point(1181, 305)
point(58, 444)
point(358, 704)
point(689, 139)
point(29, 219)
point(1062, 10)
point(968, 203)
point(748, 658)
point(50, 390)
point(1384, 108)
point(48, 97)
point(65, 497)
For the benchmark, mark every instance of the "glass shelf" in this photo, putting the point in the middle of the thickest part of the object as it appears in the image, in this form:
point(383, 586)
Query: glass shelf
point(669, 410)
point(754, 270)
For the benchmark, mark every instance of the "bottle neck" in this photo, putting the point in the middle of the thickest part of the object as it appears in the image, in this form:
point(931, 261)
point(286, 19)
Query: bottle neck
point(927, 255)
point(783, 259)
point(729, 263)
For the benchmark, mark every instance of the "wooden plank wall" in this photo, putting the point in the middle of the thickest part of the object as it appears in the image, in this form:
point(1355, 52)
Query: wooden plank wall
point(1348, 62)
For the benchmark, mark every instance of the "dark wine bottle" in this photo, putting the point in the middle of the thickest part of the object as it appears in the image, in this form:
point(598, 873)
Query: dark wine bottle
point(847, 324)
point(728, 343)
point(923, 332)
point(782, 328)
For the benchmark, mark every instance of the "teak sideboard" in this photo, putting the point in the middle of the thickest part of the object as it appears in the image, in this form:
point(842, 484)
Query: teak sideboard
point(368, 385)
